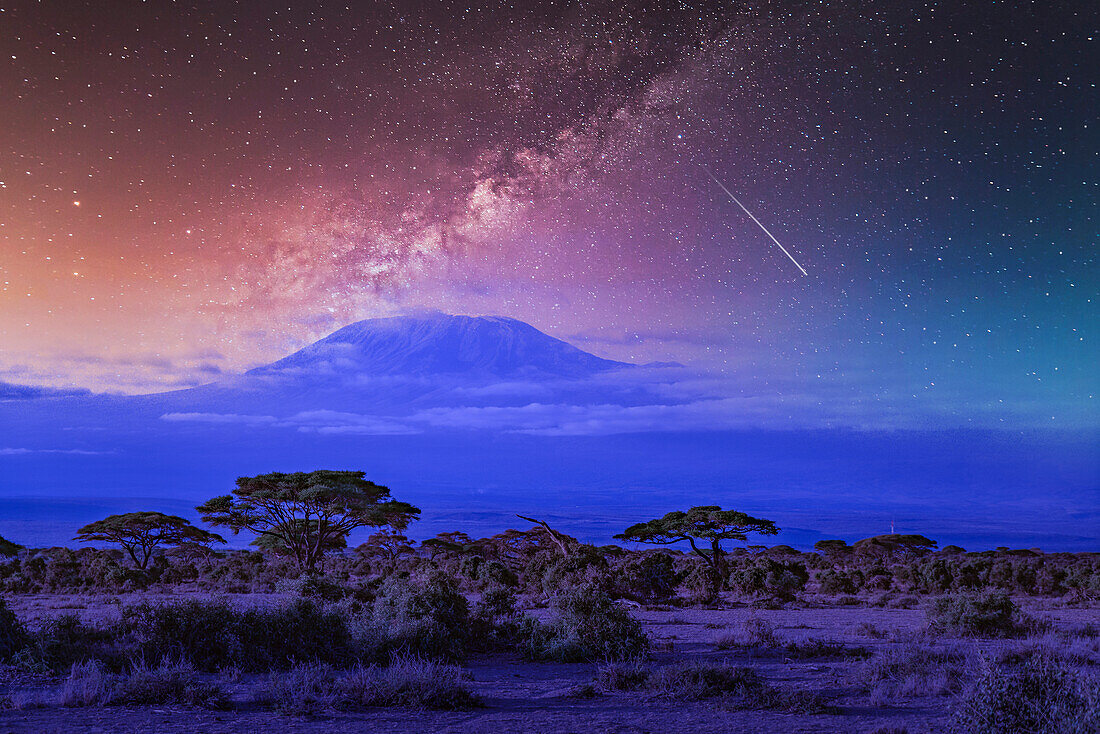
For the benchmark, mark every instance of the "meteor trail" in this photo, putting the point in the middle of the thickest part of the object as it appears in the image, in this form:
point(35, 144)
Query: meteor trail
point(758, 224)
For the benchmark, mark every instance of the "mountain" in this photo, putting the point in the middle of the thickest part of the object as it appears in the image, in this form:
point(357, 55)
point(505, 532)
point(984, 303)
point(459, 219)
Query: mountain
point(441, 344)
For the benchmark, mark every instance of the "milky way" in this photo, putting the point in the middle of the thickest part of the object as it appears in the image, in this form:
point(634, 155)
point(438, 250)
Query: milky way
point(189, 190)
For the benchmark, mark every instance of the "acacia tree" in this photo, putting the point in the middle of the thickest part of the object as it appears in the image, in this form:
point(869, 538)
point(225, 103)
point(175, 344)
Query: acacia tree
point(307, 511)
point(710, 524)
point(894, 545)
point(141, 533)
point(454, 541)
point(387, 545)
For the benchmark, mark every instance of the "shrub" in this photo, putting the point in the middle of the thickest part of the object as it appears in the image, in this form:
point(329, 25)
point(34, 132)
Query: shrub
point(747, 633)
point(407, 681)
point(989, 614)
point(312, 688)
point(741, 687)
point(203, 632)
point(696, 680)
point(817, 647)
point(913, 670)
point(304, 690)
point(213, 635)
point(588, 625)
point(424, 618)
point(311, 586)
point(768, 576)
point(13, 636)
point(170, 682)
point(651, 578)
point(64, 640)
point(298, 632)
point(1043, 697)
point(87, 685)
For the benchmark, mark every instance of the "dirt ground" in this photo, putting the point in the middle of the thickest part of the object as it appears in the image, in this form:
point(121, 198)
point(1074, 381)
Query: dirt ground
point(523, 697)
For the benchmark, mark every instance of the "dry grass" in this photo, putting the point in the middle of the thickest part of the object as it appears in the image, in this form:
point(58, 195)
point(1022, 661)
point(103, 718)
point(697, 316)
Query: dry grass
point(913, 670)
point(748, 633)
point(313, 688)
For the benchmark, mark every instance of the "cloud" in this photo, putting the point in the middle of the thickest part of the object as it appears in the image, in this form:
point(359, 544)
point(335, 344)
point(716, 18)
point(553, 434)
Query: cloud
point(328, 422)
point(333, 422)
point(226, 418)
point(11, 391)
point(74, 452)
point(585, 420)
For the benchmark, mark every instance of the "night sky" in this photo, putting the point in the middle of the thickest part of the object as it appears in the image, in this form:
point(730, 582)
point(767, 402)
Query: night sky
point(192, 189)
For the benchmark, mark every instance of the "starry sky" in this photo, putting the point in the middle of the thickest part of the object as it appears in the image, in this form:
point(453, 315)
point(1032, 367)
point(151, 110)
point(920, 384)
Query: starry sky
point(189, 189)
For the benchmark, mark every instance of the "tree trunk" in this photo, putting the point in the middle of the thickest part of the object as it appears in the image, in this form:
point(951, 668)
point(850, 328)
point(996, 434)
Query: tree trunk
point(719, 567)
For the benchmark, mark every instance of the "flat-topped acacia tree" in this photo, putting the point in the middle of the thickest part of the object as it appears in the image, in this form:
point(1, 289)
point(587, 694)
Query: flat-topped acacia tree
point(141, 533)
point(709, 524)
point(307, 512)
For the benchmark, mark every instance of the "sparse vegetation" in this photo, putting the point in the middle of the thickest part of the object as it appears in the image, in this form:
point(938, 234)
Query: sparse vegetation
point(312, 688)
point(384, 625)
point(988, 614)
point(1042, 696)
point(587, 626)
point(739, 687)
point(88, 684)
point(913, 669)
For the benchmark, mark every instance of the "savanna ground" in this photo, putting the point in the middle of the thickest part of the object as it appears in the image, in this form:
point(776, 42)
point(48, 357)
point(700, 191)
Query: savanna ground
point(852, 668)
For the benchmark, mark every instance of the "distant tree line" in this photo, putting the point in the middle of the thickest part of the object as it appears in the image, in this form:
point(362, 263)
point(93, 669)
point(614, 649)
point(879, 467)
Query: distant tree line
point(302, 522)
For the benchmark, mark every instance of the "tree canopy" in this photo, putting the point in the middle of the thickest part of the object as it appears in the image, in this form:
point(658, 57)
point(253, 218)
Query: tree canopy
point(708, 523)
point(894, 545)
point(307, 511)
point(141, 533)
point(8, 548)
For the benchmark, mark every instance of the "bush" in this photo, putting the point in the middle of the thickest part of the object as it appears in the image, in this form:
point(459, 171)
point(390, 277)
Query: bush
point(204, 632)
point(311, 586)
point(748, 633)
point(989, 614)
point(649, 579)
point(696, 681)
point(588, 626)
point(412, 682)
point(817, 647)
point(741, 687)
point(304, 690)
point(87, 685)
point(913, 670)
point(168, 683)
point(213, 635)
point(767, 576)
point(13, 636)
point(64, 640)
point(426, 618)
point(312, 688)
point(1043, 697)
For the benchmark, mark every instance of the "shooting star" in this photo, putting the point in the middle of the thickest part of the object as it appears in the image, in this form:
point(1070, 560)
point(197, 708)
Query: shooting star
point(758, 224)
